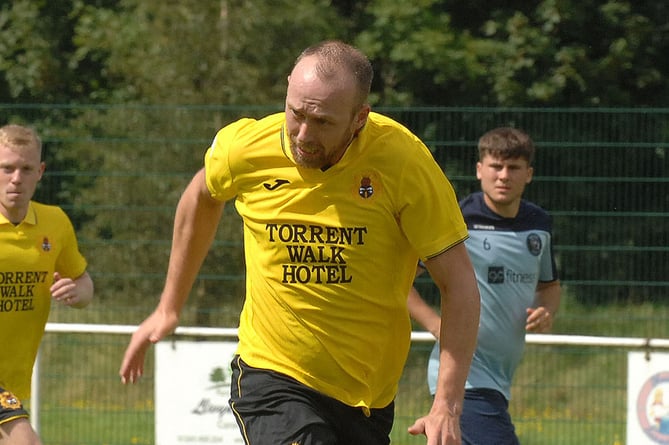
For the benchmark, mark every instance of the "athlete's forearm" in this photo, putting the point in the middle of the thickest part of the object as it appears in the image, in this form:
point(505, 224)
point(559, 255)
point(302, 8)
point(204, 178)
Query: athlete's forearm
point(85, 290)
point(195, 222)
point(459, 330)
point(548, 295)
point(423, 313)
point(453, 274)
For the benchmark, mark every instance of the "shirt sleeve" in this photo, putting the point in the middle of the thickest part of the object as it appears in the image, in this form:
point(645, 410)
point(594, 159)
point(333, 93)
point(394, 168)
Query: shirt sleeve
point(70, 263)
point(430, 217)
point(217, 162)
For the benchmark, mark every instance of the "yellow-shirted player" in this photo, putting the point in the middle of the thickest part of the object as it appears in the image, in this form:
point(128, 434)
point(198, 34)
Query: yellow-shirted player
point(338, 205)
point(39, 261)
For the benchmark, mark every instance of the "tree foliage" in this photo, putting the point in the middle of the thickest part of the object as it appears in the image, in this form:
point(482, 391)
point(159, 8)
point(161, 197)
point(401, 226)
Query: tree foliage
point(426, 52)
point(553, 52)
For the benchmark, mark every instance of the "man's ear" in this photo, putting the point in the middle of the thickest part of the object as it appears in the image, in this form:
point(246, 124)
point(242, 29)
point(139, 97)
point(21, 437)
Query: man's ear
point(42, 167)
point(361, 118)
point(530, 174)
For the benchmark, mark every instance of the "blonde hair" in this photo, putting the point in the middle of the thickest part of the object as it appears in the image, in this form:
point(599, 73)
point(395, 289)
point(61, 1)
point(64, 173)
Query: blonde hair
point(19, 137)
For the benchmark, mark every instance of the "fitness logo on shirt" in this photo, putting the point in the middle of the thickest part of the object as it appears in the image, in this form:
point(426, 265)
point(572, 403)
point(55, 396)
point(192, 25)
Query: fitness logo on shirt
point(501, 275)
point(496, 274)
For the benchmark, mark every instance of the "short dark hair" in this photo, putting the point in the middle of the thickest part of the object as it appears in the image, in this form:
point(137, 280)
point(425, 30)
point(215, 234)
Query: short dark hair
point(506, 143)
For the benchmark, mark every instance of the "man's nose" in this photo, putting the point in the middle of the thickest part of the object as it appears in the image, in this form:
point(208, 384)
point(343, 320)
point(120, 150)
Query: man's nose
point(303, 131)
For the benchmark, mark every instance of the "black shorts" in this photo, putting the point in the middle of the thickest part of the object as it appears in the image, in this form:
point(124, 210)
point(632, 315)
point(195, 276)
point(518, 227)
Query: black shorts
point(10, 407)
point(274, 409)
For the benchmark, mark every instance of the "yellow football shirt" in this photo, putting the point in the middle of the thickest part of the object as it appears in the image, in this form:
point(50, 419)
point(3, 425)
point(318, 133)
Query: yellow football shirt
point(30, 252)
point(331, 255)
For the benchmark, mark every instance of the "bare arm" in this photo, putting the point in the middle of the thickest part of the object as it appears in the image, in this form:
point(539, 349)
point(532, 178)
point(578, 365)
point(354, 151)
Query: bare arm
point(195, 222)
point(423, 313)
point(453, 274)
point(540, 318)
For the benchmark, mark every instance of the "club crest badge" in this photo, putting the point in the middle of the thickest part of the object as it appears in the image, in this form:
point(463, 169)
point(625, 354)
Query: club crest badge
point(9, 401)
point(534, 244)
point(366, 189)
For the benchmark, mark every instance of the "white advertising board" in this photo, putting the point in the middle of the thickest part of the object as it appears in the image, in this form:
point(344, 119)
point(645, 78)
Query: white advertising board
point(192, 388)
point(647, 398)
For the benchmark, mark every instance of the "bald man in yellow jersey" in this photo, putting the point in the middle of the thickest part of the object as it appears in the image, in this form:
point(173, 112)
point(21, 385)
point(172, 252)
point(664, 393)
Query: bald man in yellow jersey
point(39, 261)
point(338, 205)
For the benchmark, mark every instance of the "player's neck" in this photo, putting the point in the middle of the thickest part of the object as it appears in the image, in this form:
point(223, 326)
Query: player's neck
point(503, 209)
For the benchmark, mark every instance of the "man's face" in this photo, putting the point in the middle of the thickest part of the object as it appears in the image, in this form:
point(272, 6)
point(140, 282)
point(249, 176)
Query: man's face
point(322, 117)
point(20, 171)
point(503, 182)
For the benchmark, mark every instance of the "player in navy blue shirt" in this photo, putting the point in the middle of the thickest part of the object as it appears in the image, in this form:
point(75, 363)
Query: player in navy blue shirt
point(510, 245)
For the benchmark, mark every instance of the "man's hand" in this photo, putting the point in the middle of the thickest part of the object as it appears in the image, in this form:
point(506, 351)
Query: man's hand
point(157, 326)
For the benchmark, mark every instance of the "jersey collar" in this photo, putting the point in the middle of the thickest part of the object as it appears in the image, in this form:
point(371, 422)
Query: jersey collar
point(30, 218)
